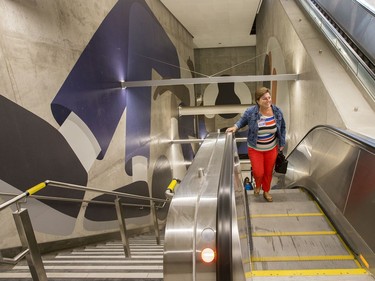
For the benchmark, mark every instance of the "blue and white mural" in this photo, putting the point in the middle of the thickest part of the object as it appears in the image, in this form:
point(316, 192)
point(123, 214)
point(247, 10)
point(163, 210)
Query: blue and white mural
point(129, 45)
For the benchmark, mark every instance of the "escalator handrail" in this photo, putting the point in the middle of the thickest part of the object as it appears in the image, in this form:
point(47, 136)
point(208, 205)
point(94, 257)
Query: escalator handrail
point(224, 268)
point(362, 141)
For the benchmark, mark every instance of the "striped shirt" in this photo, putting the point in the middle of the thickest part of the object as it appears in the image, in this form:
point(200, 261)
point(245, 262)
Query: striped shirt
point(266, 133)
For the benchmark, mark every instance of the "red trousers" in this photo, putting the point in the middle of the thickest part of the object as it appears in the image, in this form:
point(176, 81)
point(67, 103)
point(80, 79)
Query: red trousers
point(262, 164)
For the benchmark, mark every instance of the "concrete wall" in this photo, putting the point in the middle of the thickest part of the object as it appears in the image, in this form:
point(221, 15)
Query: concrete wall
point(239, 61)
point(40, 43)
point(325, 94)
point(65, 117)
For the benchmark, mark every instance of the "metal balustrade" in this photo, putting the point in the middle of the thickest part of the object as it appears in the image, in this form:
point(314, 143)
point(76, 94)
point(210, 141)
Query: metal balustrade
point(26, 233)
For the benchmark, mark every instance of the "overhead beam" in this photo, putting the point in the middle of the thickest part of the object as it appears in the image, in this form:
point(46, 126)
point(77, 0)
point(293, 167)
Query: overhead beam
point(189, 141)
point(209, 80)
point(212, 109)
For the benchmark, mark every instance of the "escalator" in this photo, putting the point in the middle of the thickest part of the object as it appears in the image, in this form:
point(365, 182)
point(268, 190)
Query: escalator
point(319, 226)
point(292, 237)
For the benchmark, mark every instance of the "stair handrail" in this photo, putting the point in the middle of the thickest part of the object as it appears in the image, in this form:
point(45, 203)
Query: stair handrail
point(21, 196)
point(27, 235)
point(31, 191)
point(115, 193)
point(118, 207)
point(75, 200)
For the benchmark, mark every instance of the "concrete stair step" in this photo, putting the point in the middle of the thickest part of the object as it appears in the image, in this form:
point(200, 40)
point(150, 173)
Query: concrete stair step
point(104, 261)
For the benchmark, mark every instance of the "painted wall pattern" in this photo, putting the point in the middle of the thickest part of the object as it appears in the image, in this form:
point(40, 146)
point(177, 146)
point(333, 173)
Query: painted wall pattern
point(129, 45)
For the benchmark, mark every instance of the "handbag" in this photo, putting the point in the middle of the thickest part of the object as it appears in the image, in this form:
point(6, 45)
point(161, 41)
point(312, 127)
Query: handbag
point(281, 164)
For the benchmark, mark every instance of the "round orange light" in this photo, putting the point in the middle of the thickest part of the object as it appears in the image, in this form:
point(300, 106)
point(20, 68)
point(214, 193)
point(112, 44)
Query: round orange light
point(208, 255)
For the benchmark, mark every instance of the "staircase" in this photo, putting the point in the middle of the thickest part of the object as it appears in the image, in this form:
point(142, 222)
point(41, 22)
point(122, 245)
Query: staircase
point(98, 262)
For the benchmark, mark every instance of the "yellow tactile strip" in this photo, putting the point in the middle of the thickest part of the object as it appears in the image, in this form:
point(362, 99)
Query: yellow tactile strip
point(306, 272)
point(293, 233)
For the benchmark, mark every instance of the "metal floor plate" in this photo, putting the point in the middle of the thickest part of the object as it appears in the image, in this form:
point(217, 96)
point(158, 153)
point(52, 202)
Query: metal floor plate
point(294, 240)
point(299, 246)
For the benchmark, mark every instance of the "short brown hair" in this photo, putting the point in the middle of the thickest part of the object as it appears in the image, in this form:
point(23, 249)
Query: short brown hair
point(260, 92)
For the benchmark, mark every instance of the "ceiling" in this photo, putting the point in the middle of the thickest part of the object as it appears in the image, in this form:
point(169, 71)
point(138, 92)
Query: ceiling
point(216, 23)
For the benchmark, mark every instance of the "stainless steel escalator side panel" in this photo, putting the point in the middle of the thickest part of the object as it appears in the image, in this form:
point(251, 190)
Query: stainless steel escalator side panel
point(326, 160)
point(360, 207)
point(193, 221)
point(339, 171)
point(195, 197)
